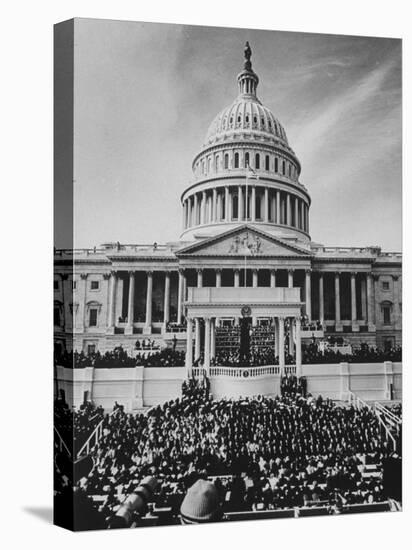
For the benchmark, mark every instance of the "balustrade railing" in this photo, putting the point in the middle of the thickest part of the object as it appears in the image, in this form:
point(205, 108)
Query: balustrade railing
point(91, 441)
point(380, 413)
point(243, 372)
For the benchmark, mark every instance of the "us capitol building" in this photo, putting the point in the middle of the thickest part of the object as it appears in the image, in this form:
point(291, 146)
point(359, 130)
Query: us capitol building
point(245, 256)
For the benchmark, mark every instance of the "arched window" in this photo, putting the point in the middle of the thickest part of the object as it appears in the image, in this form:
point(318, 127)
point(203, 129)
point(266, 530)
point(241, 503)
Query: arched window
point(238, 118)
point(226, 161)
point(257, 161)
point(276, 164)
point(247, 119)
point(246, 160)
point(267, 162)
point(236, 160)
point(255, 119)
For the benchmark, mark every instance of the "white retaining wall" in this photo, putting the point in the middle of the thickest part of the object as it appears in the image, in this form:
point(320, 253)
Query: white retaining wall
point(144, 387)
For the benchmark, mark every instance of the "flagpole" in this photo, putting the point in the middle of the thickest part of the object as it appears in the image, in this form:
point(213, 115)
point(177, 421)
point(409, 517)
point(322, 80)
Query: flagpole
point(246, 214)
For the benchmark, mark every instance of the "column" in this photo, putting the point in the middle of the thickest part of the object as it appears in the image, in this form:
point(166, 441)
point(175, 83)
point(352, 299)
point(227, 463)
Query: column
point(149, 292)
point(82, 304)
point(166, 307)
point(240, 203)
point(290, 335)
point(227, 203)
point(219, 207)
point(308, 293)
point(278, 207)
point(369, 297)
point(290, 278)
point(199, 278)
point(272, 278)
point(184, 216)
point(184, 294)
point(353, 297)
point(276, 327)
point(255, 278)
point(203, 208)
point(218, 278)
point(288, 210)
point(296, 212)
point(197, 338)
point(321, 299)
point(302, 215)
point(213, 338)
point(396, 301)
point(214, 205)
point(298, 348)
point(179, 296)
point(266, 206)
point(253, 215)
point(236, 278)
point(196, 211)
point(112, 300)
point(189, 347)
point(207, 345)
point(363, 298)
point(130, 305)
point(337, 298)
point(281, 321)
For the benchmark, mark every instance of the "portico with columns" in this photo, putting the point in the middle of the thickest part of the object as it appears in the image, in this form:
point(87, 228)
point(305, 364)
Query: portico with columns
point(205, 305)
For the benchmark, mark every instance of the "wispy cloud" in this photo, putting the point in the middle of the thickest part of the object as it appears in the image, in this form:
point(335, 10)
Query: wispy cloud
point(311, 132)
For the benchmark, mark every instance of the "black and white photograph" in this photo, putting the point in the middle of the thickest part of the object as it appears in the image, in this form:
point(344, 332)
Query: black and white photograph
point(227, 295)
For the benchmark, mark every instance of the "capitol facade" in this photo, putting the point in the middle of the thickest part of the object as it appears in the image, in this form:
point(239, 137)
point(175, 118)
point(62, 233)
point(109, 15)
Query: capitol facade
point(244, 257)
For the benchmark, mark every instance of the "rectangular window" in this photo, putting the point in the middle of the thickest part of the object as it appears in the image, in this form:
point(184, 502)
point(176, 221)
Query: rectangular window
point(56, 285)
point(73, 285)
point(94, 285)
point(56, 317)
point(386, 315)
point(276, 164)
point(385, 285)
point(93, 317)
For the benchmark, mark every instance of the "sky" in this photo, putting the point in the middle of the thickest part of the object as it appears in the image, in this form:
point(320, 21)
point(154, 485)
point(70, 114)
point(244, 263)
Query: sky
point(145, 95)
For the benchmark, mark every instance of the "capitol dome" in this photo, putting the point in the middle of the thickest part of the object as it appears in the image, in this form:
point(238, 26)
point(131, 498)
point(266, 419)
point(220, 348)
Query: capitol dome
point(246, 142)
point(246, 117)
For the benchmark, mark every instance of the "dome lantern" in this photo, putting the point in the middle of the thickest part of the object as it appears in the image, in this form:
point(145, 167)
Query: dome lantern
point(247, 79)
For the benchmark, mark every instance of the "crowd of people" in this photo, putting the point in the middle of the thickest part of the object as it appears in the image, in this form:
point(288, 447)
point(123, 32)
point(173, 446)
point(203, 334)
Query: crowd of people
point(146, 344)
point(119, 358)
point(75, 426)
point(165, 358)
point(170, 357)
point(365, 354)
point(260, 453)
